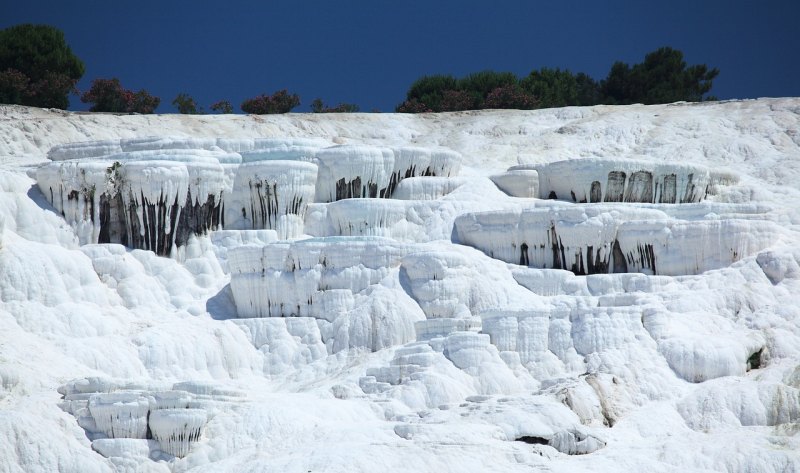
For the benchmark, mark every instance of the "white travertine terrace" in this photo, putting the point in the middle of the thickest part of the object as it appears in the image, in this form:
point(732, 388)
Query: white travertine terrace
point(271, 194)
point(154, 193)
point(590, 239)
point(620, 180)
point(397, 333)
point(145, 202)
point(121, 417)
point(349, 171)
point(518, 182)
point(336, 280)
point(177, 429)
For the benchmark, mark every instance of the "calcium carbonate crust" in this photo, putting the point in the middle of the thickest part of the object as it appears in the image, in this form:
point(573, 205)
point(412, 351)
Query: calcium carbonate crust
point(579, 289)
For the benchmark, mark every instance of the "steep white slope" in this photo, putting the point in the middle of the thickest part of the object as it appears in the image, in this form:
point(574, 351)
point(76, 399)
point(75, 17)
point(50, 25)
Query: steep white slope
point(392, 346)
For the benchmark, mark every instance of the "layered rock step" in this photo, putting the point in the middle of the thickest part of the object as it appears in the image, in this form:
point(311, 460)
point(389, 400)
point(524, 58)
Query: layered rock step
point(617, 180)
point(155, 193)
point(591, 239)
point(139, 422)
point(350, 171)
point(347, 284)
point(155, 202)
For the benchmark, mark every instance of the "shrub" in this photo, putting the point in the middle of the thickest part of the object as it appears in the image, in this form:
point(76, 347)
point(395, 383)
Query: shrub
point(38, 67)
point(185, 104)
point(317, 106)
point(279, 102)
point(223, 106)
point(108, 95)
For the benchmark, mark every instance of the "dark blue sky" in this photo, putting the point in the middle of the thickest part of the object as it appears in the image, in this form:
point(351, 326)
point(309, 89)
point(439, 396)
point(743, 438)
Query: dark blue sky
point(368, 52)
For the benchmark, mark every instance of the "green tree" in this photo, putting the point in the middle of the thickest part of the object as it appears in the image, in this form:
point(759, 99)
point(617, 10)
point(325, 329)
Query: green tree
point(663, 77)
point(427, 92)
point(553, 87)
point(480, 84)
point(588, 90)
point(617, 87)
point(40, 54)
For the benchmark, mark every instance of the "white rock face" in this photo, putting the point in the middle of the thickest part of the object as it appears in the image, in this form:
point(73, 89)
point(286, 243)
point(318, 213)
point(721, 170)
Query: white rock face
point(351, 171)
point(120, 415)
point(149, 204)
point(285, 279)
point(176, 429)
point(9, 379)
point(427, 188)
point(269, 149)
point(287, 343)
point(518, 182)
point(154, 193)
point(122, 448)
point(734, 402)
point(599, 180)
point(273, 195)
point(341, 281)
point(423, 219)
point(602, 239)
point(365, 335)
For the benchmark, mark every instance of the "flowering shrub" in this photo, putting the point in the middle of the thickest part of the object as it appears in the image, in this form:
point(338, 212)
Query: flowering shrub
point(413, 106)
point(279, 102)
point(143, 102)
point(510, 96)
point(447, 101)
point(457, 100)
point(108, 95)
point(223, 106)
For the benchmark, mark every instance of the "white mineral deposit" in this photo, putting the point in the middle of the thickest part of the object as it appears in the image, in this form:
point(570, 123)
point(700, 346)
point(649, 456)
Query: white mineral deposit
point(568, 290)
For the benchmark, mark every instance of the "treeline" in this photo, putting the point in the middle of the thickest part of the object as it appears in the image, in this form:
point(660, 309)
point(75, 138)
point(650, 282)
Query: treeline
point(663, 77)
point(38, 68)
